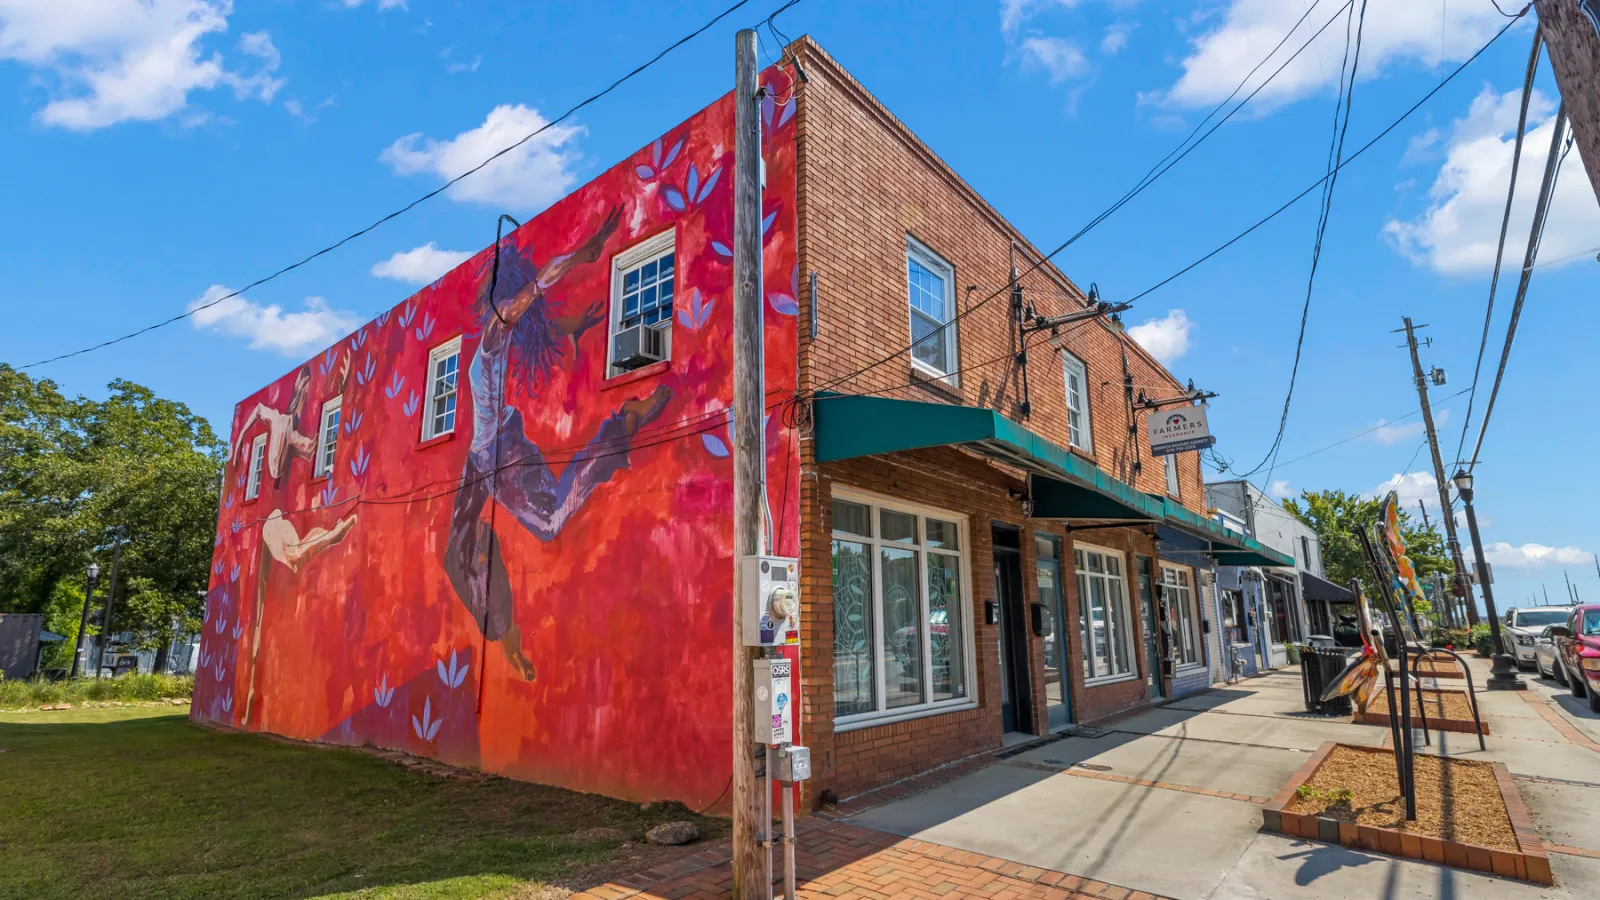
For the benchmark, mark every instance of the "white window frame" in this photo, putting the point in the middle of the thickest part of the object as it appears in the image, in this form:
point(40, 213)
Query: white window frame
point(1183, 605)
point(328, 438)
point(884, 715)
point(1174, 489)
point(1130, 649)
point(437, 389)
point(918, 252)
point(258, 460)
point(631, 258)
point(1071, 367)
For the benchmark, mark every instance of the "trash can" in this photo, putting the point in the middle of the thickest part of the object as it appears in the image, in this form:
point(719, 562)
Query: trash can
point(1320, 667)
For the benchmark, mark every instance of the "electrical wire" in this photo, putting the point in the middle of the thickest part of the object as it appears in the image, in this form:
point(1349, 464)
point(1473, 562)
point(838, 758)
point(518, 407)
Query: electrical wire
point(1361, 434)
point(1541, 218)
point(1176, 155)
point(1335, 158)
point(420, 200)
point(1505, 225)
point(1318, 183)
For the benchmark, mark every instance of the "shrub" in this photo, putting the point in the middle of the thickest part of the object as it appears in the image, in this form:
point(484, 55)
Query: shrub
point(1483, 639)
point(1328, 798)
point(127, 688)
point(1455, 638)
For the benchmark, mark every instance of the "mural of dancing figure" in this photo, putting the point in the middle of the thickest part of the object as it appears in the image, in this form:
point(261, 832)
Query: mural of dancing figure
point(285, 440)
point(521, 336)
point(282, 543)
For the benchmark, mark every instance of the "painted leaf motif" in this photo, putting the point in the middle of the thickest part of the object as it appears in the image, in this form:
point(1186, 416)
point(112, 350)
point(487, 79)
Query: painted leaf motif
point(411, 404)
point(767, 220)
point(711, 182)
point(768, 105)
point(721, 249)
point(702, 309)
point(655, 151)
point(784, 303)
point(685, 318)
point(714, 445)
point(673, 198)
point(644, 171)
point(787, 114)
point(671, 154)
point(692, 185)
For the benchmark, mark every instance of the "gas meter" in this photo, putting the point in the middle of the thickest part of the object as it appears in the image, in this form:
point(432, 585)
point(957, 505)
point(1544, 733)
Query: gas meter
point(771, 598)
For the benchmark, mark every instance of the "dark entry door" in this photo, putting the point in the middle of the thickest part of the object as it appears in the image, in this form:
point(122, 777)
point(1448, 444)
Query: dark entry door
point(1152, 628)
point(1057, 694)
point(1016, 699)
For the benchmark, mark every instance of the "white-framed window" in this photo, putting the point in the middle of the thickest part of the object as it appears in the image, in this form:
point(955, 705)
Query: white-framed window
point(643, 281)
point(1105, 622)
point(258, 458)
point(932, 295)
point(444, 374)
point(1172, 475)
point(1177, 588)
point(902, 611)
point(328, 436)
point(1077, 379)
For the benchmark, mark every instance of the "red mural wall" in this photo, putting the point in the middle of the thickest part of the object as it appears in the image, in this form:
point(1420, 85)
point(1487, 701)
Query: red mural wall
point(544, 592)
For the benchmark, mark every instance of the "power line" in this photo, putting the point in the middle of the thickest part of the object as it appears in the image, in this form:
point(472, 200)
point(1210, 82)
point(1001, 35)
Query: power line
point(1335, 156)
point(1176, 155)
point(422, 199)
point(1361, 434)
point(1318, 183)
point(1505, 224)
point(1541, 217)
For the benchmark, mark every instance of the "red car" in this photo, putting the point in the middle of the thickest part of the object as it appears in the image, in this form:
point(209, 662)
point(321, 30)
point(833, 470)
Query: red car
point(1577, 645)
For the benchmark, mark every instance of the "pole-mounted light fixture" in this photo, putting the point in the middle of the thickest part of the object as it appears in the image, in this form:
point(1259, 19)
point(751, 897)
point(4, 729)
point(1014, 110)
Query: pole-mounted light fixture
point(1463, 483)
point(93, 571)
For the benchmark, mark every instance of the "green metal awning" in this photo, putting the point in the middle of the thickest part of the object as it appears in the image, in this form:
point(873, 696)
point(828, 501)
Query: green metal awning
point(1063, 486)
point(1228, 548)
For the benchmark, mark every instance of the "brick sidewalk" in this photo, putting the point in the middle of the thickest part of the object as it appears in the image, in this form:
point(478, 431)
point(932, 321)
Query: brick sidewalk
point(835, 860)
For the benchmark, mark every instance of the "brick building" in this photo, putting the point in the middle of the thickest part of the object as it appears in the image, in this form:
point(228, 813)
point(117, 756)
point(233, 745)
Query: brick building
point(493, 526)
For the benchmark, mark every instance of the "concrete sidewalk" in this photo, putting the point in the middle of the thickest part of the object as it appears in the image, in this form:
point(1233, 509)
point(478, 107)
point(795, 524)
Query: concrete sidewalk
point(1167, 803)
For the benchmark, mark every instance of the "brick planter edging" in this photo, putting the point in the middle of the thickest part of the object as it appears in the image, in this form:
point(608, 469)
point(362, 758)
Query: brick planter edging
point(1528, 863)
point(1462, 726)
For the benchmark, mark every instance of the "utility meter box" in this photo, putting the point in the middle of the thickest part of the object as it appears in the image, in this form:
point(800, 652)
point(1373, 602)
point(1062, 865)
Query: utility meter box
point(794, 764)
point(771, 598)
point(774, 701)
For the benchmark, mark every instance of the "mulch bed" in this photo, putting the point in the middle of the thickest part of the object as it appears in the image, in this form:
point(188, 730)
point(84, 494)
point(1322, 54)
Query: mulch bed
point(1457, 799)
point(1436, 704)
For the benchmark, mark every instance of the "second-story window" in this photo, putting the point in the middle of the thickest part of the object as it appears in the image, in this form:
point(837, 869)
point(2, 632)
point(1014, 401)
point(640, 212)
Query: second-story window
point(1172, 475)
point(328, 436)
point(643, 279)
point(931, 281)
point(258, 458)
point(1077, 377)
point(444, 371)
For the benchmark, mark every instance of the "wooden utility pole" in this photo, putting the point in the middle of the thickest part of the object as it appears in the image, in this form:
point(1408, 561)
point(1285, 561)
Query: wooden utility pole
point(1571, 30)
point(749, 458)
point(1463, 587)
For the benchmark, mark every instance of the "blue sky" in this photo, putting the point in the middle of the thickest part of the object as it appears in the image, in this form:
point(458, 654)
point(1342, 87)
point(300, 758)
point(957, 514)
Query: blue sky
point(161, 151)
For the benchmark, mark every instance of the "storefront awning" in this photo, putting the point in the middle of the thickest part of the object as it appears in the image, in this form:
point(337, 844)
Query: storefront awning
point(1314, 588)
point(1228, 548)
point(1063, 486)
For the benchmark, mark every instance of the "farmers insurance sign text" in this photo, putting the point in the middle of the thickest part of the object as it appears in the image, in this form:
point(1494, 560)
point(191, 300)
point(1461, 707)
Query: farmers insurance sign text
point(1177, 430)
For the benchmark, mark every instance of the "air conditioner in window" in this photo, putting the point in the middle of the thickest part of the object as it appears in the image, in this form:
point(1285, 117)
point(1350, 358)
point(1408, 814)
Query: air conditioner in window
point(639, 346)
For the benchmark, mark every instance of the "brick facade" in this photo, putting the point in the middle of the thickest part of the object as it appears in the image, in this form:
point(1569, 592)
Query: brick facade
point(865, 185)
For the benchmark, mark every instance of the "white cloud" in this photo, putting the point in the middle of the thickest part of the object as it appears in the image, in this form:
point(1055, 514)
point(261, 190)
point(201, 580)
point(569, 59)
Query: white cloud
point(528, 178)
point(1116, 38)
point(1280, 490)
point(1396, 32)
point(1410, 488)
point(110, 61)
point(421, 265)
point(1394, 434)
point(1166, 338)
point(382, 4)
point(269, 327)
point(1014, 12)
point(1458, 231)
point(1533, 556)
point(1057, 56)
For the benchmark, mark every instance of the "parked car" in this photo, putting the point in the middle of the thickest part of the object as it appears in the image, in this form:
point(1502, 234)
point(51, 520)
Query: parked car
point(1577, 654)
point(1544, 654)
point(1521, 629)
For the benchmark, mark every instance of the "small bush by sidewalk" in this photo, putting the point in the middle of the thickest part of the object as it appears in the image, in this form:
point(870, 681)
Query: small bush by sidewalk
point(18, 694)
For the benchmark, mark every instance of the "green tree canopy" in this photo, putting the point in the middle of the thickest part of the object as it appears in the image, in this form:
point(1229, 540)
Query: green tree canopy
point(1335, 515)
point(72, 469)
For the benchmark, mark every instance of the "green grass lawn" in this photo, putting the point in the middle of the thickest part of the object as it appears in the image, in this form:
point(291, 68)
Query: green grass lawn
point(136, 802)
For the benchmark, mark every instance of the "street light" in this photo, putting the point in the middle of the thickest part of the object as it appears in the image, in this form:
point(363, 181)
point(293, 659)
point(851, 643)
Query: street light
point(1503, 674)
point(93, 572)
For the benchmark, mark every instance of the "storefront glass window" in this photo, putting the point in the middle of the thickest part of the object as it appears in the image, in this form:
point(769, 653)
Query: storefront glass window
point(1103, 614)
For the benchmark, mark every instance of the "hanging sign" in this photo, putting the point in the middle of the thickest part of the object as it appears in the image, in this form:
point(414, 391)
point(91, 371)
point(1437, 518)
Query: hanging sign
point(1177, 430)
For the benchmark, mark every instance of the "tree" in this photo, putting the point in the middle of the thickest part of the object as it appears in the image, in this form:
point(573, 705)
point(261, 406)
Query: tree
point(1334, 515)
point(72, 469)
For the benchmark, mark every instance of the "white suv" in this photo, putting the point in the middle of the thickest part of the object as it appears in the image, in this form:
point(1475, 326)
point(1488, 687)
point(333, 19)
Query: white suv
point(1521, 628)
